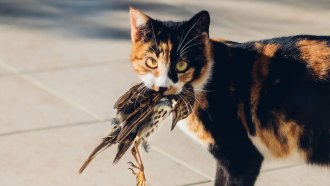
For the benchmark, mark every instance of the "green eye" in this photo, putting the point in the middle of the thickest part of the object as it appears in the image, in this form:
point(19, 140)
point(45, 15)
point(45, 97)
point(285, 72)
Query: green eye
point(181, 66)
point(151, 63)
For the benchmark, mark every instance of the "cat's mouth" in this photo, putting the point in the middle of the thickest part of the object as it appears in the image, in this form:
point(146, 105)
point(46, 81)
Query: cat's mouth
point(166, 91)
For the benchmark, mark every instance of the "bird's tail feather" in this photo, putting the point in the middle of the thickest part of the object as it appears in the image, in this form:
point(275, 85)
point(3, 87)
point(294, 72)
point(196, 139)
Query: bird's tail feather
point(106, 142)
point(122, 148)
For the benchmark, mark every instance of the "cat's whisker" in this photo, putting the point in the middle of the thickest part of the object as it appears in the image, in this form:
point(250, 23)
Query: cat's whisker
point(191, 94)
point(198, 102)
point(186, 99)
point(183, 101)
point(187, 103)
point(187, 34)
point(190, 47)
point(203, 107)
point(190, 42)
point(181, 54)
point(192, 110)
point(180, 40)
point(188, 106)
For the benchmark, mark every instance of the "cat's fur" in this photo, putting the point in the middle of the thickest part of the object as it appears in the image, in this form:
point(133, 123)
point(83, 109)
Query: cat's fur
point(254, 100)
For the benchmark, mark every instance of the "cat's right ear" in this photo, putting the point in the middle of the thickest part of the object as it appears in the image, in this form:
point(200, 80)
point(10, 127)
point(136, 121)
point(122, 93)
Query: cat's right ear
point(138, 19)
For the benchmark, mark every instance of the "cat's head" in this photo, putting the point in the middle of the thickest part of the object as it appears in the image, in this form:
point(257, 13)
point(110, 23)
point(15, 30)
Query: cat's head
point(168, 55)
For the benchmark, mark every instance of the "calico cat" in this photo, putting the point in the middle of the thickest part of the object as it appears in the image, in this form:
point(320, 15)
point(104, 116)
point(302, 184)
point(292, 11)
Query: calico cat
point(254, 101)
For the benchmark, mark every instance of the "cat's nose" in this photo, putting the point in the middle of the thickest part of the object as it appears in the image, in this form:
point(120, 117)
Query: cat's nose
point(162, 89)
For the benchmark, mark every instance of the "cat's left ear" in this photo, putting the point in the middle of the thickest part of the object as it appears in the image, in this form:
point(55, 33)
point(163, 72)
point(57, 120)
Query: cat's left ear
point(138, 19)
point(200, 22)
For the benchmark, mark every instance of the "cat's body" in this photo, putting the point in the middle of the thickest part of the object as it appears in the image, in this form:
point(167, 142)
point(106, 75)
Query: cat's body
point(266, 99)
point(254, 101)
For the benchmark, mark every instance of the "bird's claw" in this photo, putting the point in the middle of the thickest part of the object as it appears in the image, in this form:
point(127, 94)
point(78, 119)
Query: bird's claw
point(140, 176)
point(133, 172)
point(133, 165)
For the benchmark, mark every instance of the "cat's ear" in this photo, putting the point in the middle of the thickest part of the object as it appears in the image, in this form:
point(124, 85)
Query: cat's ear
point(200, 23)
point(138, 19)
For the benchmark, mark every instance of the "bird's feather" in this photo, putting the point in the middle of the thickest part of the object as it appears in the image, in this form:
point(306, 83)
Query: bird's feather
point(137, 118)
point(124, 146)
point(106, 142)
point(135, 109)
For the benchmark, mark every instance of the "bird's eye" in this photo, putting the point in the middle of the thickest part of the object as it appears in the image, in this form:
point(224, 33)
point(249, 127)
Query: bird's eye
point(151, 63)
point(181, 66)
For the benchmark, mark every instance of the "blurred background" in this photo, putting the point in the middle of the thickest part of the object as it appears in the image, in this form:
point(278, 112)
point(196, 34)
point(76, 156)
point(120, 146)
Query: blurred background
point(63, 63)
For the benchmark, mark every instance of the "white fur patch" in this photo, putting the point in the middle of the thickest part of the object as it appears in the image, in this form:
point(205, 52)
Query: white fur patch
point(294, 157)
point(148, 79)
point(163, 80)
point(184, 127)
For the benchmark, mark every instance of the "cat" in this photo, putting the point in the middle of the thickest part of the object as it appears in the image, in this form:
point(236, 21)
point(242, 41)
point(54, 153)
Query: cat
point(267, 99)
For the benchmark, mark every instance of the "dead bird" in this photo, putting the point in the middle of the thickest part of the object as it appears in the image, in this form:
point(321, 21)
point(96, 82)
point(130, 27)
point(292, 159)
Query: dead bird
point(139, 113)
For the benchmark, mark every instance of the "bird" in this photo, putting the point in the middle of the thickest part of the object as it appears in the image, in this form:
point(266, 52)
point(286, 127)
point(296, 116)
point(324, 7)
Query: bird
point(139, 113)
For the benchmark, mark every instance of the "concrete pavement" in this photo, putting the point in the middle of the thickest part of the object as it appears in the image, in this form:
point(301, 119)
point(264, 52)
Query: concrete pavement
point(63, 64)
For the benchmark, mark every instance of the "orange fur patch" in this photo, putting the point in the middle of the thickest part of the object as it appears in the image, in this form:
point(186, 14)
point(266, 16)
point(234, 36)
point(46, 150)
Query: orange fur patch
point(165, 49)
point(138, 53)
point(285, 141)
point(171, 90)
point(195, 125)
point(138, 50)
point(221, 40)
point(316, 54)
point(187, 76)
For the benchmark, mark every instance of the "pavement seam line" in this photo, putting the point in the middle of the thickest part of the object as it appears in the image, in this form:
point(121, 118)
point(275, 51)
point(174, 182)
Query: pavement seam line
point(281, 168)
point(52, 69)
point(90, 113)
point(52, 92)
point(15, 132)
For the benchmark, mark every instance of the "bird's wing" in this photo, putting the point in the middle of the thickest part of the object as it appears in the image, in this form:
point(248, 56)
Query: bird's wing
point(138, 117)
point(126, 99)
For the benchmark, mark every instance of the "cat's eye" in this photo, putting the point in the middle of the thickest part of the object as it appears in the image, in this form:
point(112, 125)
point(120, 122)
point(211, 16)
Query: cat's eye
point(181, 66)
point(151, 63)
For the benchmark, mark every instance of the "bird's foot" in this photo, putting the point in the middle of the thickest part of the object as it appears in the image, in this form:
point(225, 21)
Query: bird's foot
point(140, 176)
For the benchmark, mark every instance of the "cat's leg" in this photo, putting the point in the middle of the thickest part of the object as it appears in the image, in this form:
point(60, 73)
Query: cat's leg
point(237, 165)
point(221, 177)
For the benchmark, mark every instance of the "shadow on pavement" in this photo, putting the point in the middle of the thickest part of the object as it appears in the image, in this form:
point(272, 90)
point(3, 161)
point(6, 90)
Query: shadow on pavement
point(83, 18)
